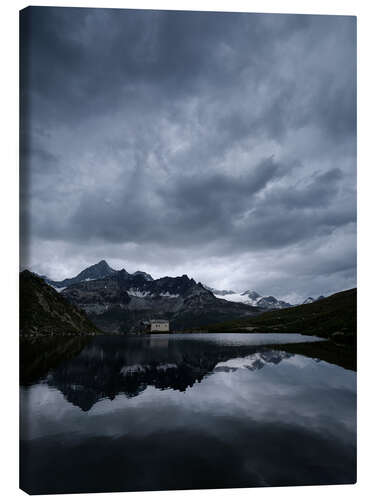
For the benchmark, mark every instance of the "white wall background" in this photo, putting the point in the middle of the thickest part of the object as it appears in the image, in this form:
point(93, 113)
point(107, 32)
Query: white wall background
point(9, 245)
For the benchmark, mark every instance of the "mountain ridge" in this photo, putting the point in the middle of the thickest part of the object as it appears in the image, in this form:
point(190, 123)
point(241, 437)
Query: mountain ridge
point(120, 301)
point(252, 298)
point(96, 271)
point(102, 270)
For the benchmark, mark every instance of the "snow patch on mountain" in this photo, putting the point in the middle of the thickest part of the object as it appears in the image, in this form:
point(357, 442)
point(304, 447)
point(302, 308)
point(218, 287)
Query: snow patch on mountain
point(253, 298)
point(133, 369)
point(237, 297)
point(138, 293)
point(219, 293)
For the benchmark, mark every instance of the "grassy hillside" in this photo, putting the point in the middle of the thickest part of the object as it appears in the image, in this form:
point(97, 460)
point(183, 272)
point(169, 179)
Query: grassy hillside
point(334, 316)
point(44, 312)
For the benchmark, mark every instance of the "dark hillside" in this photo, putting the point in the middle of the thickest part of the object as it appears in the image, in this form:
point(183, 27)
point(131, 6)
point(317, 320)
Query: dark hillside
point(43, 311)
point(334, 316)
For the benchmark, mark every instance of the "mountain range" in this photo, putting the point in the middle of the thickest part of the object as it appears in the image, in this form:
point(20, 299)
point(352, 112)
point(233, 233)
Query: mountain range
point(117, 301)
point(252, 298)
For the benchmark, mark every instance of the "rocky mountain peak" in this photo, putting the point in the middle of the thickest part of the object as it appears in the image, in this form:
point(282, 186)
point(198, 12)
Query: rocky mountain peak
point(252, 294)
point(220, 293)
point(102, 265)
point(146, 276)
point(310, 300)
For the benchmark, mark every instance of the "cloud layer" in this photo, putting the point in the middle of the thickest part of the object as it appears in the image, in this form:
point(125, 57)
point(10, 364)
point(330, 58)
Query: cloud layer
point(218, 145)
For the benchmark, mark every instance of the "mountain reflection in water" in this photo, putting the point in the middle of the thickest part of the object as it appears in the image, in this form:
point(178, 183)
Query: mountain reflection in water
point(183, 411)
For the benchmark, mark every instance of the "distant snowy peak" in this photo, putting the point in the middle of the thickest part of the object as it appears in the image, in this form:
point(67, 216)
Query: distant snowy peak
point(251, 298)
point(272, 303)
point(255, 299)
point(218, 293)
point(265, 302)
point(310, 300)
point(252, 295)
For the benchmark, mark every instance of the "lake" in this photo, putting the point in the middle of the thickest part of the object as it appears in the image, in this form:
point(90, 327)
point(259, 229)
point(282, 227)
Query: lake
point(183, 411)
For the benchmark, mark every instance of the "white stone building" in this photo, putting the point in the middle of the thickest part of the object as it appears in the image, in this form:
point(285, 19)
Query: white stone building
point(159, 325)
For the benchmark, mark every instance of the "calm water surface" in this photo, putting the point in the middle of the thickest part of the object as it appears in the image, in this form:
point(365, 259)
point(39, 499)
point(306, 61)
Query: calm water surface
point(183, 411)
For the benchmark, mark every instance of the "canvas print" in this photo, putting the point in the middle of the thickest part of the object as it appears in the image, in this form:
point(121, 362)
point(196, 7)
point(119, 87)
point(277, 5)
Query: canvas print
point(188, 250)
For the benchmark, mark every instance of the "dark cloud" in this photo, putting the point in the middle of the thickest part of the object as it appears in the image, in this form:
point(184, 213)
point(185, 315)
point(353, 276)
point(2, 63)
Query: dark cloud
point(190, 141)
point(319, 192)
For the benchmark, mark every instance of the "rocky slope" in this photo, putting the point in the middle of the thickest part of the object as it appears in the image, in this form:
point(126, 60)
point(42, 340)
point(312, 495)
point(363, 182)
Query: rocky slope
point(44, 311)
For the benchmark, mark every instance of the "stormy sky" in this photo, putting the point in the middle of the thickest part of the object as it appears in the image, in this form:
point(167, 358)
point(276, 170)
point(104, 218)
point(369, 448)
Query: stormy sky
point(222, 146)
